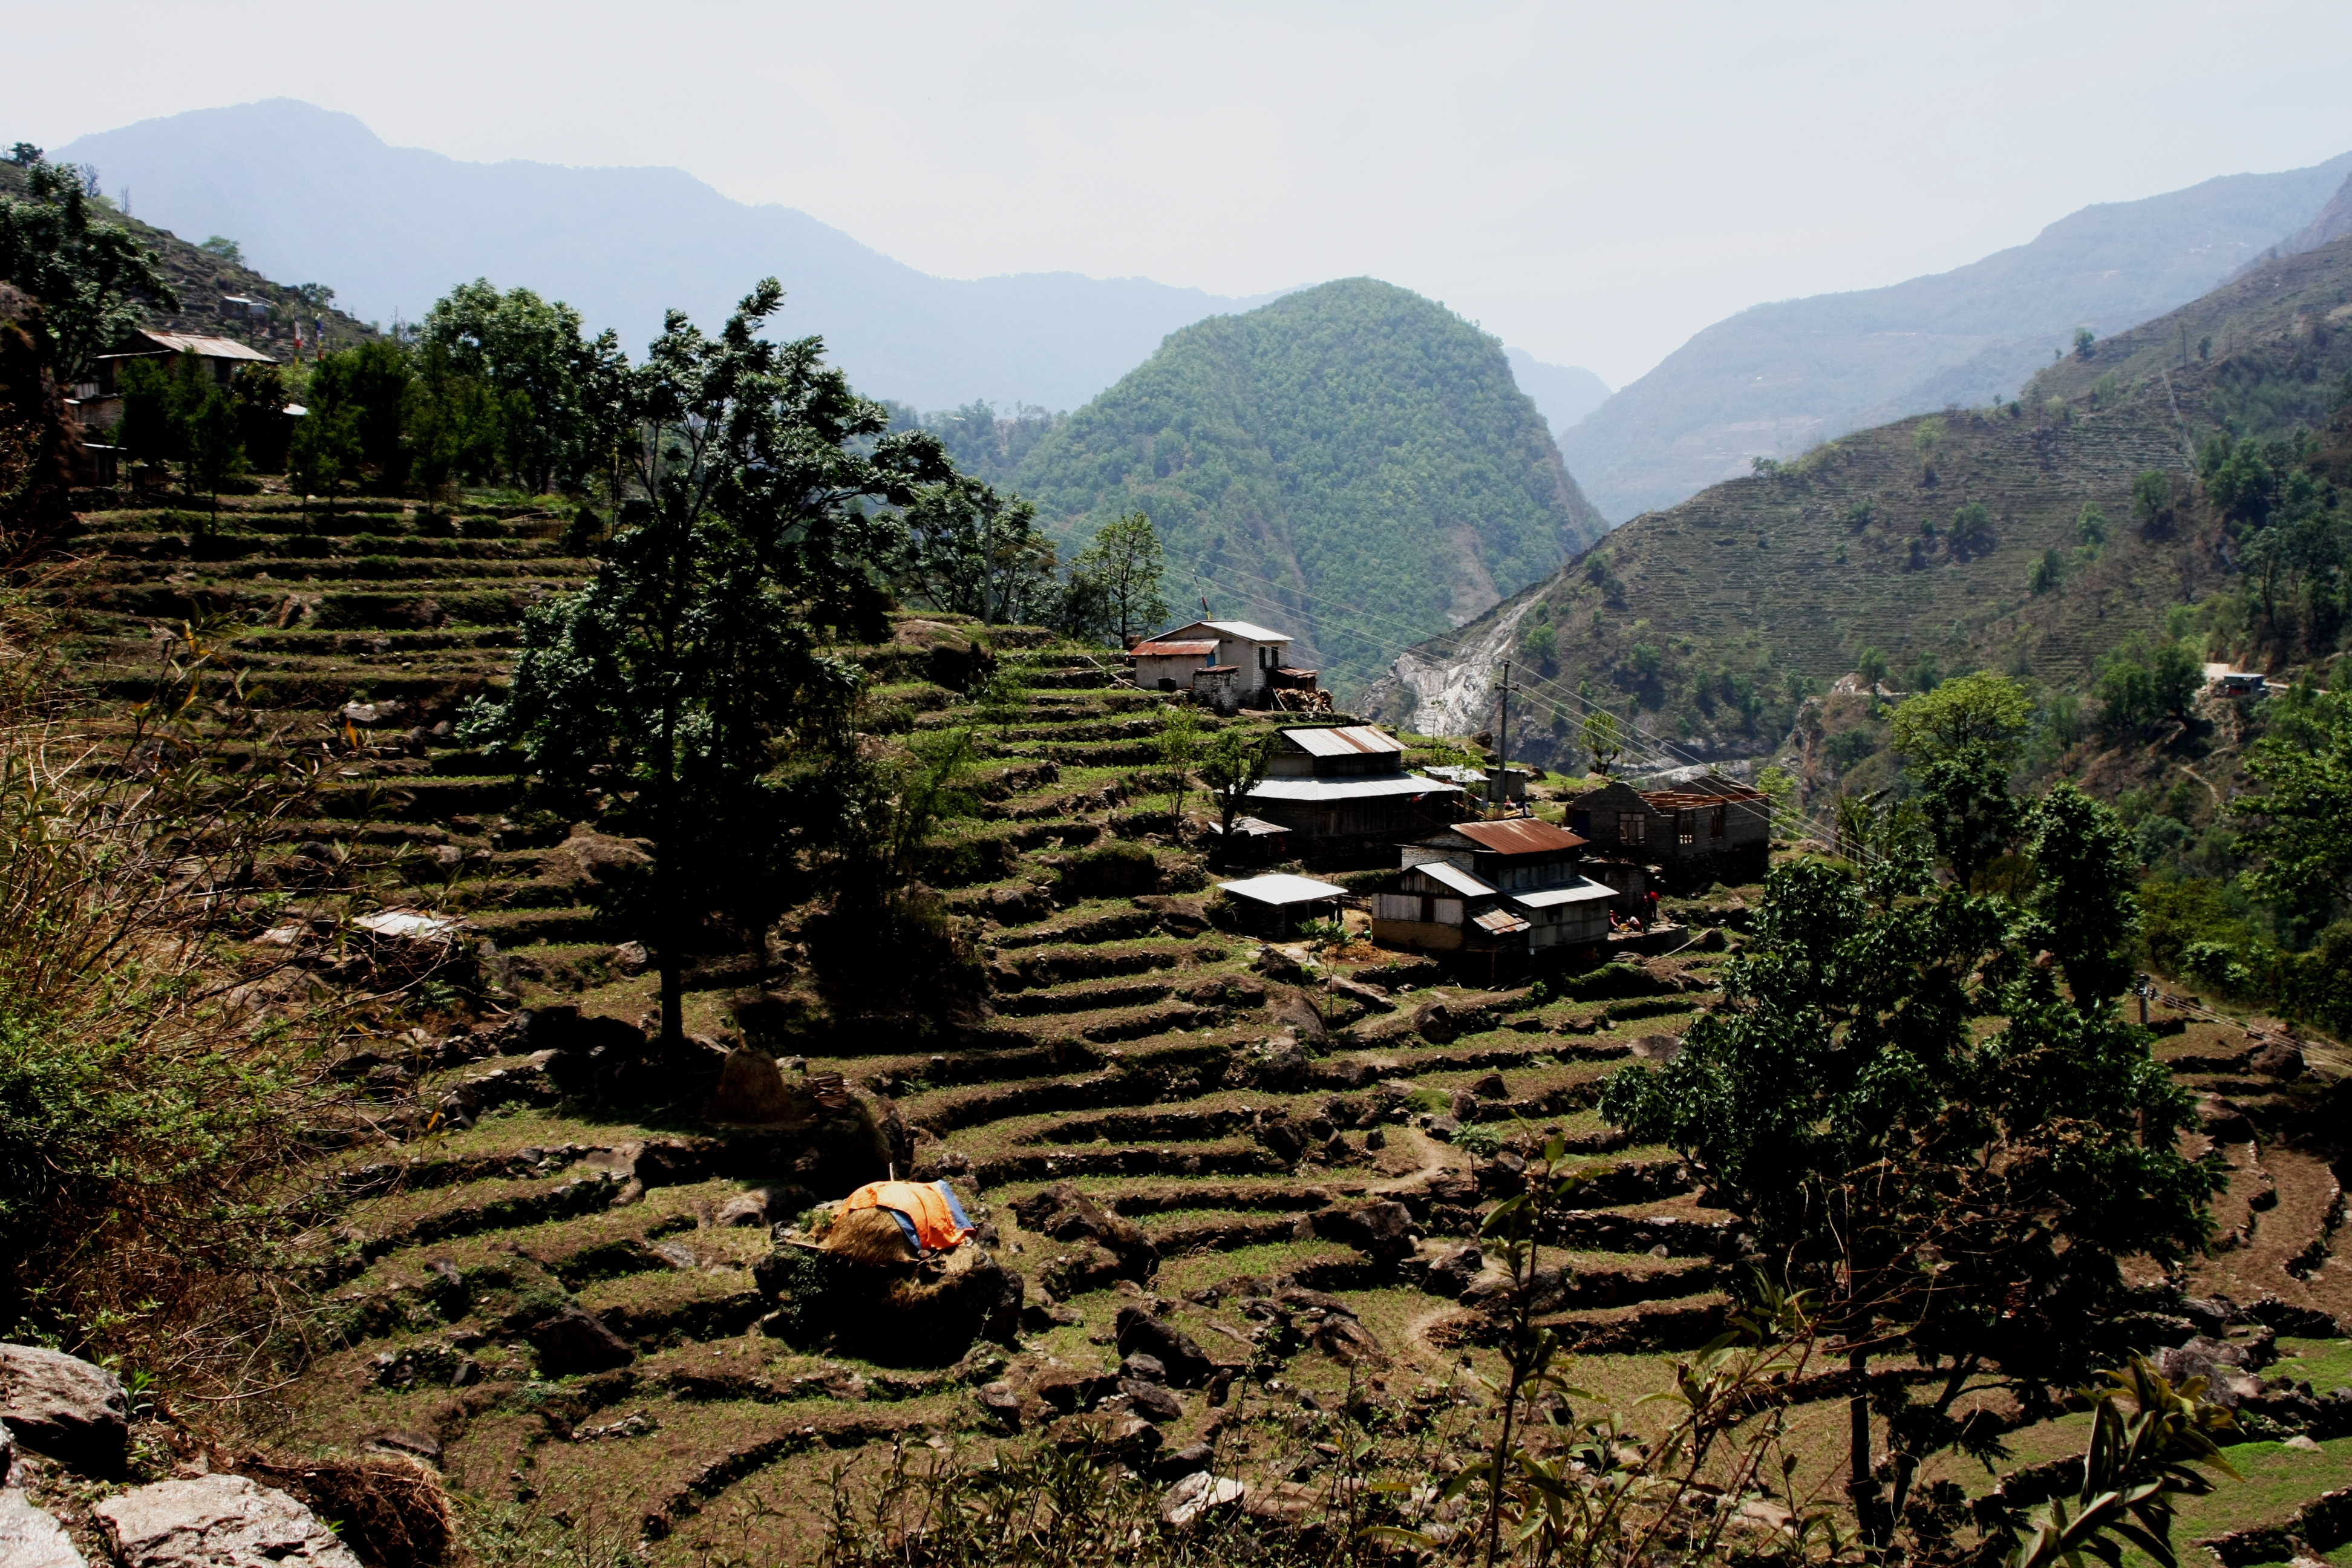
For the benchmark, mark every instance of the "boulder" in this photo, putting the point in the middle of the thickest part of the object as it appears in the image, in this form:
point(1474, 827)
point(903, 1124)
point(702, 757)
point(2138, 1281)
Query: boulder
point(1380, 1229)
point(1143, 1368)
point(1197, 1496)
point(2279, 1060)
point(1151, 1400)
point(761, 1205)
point(30, 1538)
point(1138, 1332)
point(217, 1521)
point(570, 1341)
point(1452, 1274)
point(63, 1407)
point(999, 1400)
point(1349, 1342)
point(1068, 1215)
point(595, 861)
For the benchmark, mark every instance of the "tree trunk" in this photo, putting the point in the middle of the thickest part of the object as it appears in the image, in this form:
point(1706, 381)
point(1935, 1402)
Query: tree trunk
point(1860, 1488)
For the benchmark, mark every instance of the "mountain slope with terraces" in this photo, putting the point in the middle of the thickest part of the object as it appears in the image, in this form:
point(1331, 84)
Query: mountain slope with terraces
point(1704, 623)
point(564, 1295)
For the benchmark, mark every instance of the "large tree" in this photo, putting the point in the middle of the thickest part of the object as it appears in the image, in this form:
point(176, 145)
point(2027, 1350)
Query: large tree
point(1118, 576)
point(1961, 741)
point(691, 671)
point(547, 377)
point(1926, 1130)
point(978, 552)
point(91, 277)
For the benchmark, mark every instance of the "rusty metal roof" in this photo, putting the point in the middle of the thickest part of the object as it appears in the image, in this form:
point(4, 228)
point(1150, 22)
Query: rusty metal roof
point(1171, 649)
point(1520, 836)
point(1340, 740)
point(1500, 922)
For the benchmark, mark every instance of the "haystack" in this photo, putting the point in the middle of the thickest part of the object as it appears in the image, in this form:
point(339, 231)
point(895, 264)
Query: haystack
point(869, 1236)
point(751, 1090)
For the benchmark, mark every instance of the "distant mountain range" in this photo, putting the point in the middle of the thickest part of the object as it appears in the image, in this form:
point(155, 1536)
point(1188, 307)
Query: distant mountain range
point(1563, 394)
point(312, 194)
point(1352, 464)
point(1777, 379)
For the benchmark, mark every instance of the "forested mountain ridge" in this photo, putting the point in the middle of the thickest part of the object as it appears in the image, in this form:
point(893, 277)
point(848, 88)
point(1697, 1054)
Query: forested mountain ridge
point(2025, 538)
point(312, 191)
point(1352, 464)
point(1774, 380)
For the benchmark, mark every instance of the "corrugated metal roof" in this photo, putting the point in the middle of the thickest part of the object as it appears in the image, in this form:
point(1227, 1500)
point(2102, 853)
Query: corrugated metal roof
point(211, 348)
point(1520, 836)
point(1282, 887)
point(1500, 922)
point(1580, 893)
point(1171, 649)
point(1691, 800)
point(1455, 878)
point(1340, 740)
point(1245, 629)
point(1314, 790)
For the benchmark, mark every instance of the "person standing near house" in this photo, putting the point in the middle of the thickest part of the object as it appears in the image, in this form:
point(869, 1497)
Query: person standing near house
point(1650, 903)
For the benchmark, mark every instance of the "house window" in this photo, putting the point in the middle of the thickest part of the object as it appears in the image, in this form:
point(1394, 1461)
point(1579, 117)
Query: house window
point(1633, 827)
point(1716, 821)
point(1687, 827)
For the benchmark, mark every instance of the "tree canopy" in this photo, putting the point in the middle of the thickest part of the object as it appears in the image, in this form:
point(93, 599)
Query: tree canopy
point(91, 277)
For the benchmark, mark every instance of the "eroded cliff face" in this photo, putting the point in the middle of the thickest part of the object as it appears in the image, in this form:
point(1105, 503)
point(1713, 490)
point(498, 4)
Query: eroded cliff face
point(1447, 686)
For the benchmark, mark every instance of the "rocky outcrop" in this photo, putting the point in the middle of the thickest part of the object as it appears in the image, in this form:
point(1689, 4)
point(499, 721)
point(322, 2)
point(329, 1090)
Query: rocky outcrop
point(63, 1407)
point(30, 1538)
point(217, 1521)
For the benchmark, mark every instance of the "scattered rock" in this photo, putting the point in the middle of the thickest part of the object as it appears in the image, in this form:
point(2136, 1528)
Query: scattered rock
point(1136, 1331)
point(1104, 1245)
point(1445, 1129)
point(631, 958)
point(1380, 1229)
point(1349, 1342)
point(1143, 1368)
point(1376, 1139)
point(1199, 1494)
point(571, 1340)
point(1491, 1087)
point(2279, 1060)
point(1658, 1048)
point(761, 1205)
point(1113, 1435)
point(1151, 1400)
point(1452, 1275)
point(414, 1444)
point(30, 1538)
point(999, 1401)
point(63, 1407)
point(217, 1521)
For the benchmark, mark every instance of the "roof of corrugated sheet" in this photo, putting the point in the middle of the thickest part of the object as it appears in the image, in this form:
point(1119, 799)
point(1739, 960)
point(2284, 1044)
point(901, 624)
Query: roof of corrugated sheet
point(210, 348)
point(1453, 877)
point(1520, 836)
point(1691, 800)
point(1501, 921)
point(1575, 893)
point(1340, 740)
point(1171, 649)
point(1282, 887)
point(1245, 630)
point(1350, 789)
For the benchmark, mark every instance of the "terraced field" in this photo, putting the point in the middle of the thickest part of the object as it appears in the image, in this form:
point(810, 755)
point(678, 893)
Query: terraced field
point(1187, 1144)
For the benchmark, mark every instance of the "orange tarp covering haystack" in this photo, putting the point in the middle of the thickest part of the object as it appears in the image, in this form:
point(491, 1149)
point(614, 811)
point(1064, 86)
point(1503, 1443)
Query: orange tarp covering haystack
point(939, 1221)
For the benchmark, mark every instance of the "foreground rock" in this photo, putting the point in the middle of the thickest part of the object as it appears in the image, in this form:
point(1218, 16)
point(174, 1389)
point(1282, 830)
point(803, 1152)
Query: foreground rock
point(63, 1407)
point(217, 1521)
point(29, 1538)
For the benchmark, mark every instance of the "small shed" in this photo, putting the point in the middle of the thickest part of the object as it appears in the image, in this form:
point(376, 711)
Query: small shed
point(1277, 904)
point(1253, 842)
point(96, 404)
point(1167, 664)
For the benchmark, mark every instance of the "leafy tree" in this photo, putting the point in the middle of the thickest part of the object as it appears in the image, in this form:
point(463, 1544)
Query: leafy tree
point(1121, 571)
point(690, 675)
point(1972, 531)
point(450, 423)
point(1872, 667)
point(370, 383)
point(216, 445)
point(973, 551)
point(160, 392)
point(259, 392)
point(1541, 642)
point(1950, 1192)
point(224, 248)
point(2086, 870)
point(2301, 824)
point(2047, 572)
point(2084, 340)
point(2090, 525)
point(530, 355)
point(2139, 685)
point(90, 277)
point(1961, 741)
point(1234, 763)
point(324, 453)
point(1604, 739)
point(1179, 745)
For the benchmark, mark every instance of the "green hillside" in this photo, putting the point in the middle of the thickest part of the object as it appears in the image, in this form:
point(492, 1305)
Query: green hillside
point(1353, 450)
point(1709, 622)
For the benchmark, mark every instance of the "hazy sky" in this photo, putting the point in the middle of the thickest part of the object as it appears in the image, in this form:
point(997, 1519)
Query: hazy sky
point(1591, 183)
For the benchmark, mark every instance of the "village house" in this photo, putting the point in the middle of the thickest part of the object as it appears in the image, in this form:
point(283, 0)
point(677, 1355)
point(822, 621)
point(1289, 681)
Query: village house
point(1712, 830)
point(1348, 782)
point(1276, 904)
point(1244, 659)
point(97, 403)
point(1515, 885)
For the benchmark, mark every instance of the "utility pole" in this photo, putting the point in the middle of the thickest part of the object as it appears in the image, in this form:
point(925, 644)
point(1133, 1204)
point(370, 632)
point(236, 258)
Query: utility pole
point(1494, 790)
